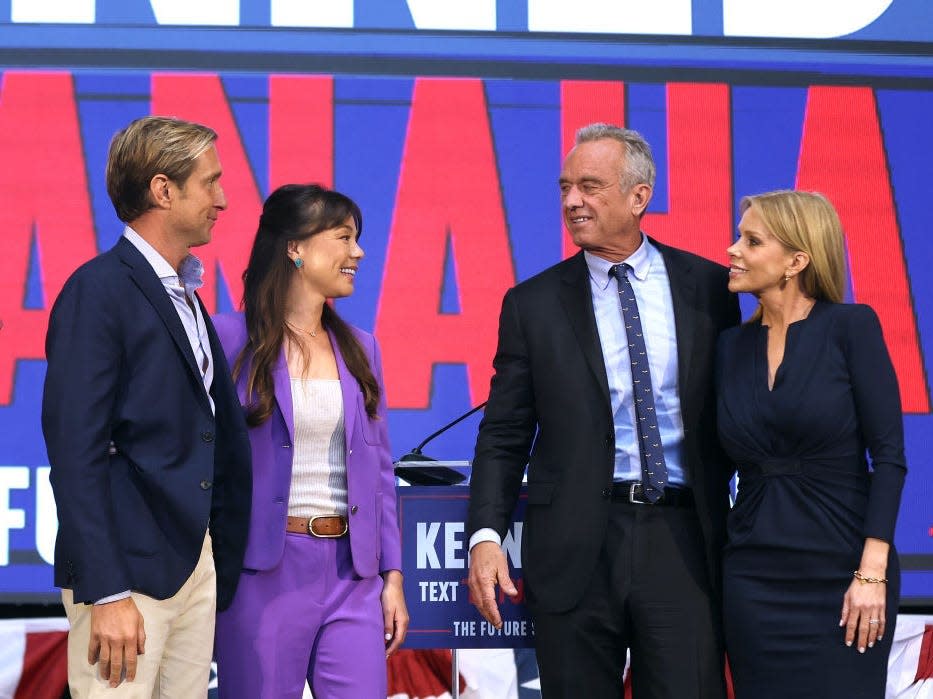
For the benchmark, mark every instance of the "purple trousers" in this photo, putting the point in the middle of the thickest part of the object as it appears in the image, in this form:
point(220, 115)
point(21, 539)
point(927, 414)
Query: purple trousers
point(310, 617)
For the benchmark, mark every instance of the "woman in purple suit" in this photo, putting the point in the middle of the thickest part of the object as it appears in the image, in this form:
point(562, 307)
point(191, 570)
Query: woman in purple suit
point(320, 597)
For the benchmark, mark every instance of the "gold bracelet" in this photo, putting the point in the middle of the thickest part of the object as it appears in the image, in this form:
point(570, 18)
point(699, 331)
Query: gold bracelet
point(865, 579)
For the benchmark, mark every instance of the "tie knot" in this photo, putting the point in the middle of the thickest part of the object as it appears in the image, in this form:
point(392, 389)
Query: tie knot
point(621, 270)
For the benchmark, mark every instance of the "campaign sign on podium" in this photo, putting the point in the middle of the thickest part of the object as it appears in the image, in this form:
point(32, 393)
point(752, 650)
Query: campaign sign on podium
point(435, 562)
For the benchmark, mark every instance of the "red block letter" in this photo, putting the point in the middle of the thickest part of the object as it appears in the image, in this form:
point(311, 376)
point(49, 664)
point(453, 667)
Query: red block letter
point(584, 102)
point(301, 130)
point(842, 156)
point(45, 194)
point(699, 168)
point(699, 171)
point(201, 98)
point(449, 187)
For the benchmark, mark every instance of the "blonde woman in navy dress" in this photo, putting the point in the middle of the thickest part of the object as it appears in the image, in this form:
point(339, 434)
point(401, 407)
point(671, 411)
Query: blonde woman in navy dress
point(809, 410)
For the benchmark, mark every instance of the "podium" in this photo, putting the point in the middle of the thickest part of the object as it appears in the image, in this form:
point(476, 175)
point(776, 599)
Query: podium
point(435, 563)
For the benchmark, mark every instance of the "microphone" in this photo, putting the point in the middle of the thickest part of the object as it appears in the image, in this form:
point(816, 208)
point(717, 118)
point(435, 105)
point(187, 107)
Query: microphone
point(416, 468)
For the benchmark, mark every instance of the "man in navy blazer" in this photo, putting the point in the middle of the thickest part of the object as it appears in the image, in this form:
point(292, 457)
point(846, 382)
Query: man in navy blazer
point(150, 460)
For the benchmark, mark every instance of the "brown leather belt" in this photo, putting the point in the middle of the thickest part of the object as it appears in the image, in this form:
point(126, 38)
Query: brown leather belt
point(322, 526)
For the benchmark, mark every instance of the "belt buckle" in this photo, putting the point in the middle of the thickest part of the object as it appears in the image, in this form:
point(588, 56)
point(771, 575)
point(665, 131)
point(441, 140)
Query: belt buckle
point(311, 531)
point(631, 495)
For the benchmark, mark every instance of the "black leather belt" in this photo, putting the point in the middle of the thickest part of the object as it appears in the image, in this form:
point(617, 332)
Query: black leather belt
point(634, 492)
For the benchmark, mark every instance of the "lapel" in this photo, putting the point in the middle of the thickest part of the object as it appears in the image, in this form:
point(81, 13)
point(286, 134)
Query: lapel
point(683, 293)
point(577, 301)
point(349, 388)
point(221, 370)
point(283, 393)
point(151, 286)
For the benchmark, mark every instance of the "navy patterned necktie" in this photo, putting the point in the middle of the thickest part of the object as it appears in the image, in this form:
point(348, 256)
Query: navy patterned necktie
point(653, 466)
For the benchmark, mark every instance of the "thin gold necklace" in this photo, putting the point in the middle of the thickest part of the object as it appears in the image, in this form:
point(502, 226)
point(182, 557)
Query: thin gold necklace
point(312, 333)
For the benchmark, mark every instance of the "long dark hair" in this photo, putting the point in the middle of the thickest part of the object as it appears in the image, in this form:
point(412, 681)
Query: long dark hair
point(292, 212)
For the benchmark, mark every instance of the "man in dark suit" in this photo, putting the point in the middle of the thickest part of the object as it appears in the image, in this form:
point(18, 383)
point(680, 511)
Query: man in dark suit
point(146, 439)
point(604, 385)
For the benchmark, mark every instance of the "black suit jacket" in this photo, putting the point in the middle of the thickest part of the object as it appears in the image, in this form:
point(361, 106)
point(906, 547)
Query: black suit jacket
point(550, 398)
point(132, 516)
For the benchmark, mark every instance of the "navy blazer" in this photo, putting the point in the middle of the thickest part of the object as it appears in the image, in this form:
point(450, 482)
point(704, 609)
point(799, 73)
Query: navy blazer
point(139, 465)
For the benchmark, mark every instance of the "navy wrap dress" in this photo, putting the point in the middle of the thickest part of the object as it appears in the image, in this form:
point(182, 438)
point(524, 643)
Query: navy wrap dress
point(807, 500)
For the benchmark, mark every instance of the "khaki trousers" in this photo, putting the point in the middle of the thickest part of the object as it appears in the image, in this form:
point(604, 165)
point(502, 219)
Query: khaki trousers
point(179, 642)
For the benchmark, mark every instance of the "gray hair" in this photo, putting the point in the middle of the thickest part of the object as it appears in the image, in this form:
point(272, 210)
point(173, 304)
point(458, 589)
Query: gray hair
point(638, 165)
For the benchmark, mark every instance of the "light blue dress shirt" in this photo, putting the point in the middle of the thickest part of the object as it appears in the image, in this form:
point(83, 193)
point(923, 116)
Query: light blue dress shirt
point(656, 307)
point(180, 287)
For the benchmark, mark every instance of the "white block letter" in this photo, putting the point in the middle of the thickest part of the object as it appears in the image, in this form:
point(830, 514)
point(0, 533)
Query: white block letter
point(10, 517)
point(479, 15)
point(53, 11)
point(425, 553)
point(810, 19)
point(46, 516)
point(452, 544)
point(312, 13)
point(513, 544)
point(202, 12)
point(611, 16)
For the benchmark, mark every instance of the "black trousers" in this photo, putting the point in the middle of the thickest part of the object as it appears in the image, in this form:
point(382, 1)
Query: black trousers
point(650, 594)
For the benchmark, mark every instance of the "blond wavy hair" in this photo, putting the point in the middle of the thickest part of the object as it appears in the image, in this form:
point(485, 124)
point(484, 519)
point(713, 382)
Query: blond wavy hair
point(147, 147)
point(806, 222)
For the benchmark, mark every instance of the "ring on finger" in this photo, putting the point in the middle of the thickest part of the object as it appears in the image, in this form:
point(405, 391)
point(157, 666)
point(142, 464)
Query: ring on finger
point(874, 621)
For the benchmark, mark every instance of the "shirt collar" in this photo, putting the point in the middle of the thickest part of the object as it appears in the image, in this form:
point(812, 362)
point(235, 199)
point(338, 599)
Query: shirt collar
point(189, 271)
point(640, 262)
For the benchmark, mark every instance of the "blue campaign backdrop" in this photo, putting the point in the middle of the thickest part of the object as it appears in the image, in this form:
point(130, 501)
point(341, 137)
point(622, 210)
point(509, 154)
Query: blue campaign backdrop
point(451, 141)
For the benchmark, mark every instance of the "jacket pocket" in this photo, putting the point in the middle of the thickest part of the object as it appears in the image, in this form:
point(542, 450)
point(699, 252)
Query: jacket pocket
point(370, 428)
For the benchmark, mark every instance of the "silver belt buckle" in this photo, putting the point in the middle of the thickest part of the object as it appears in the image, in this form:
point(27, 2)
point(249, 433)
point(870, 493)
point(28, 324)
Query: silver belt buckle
point(631, 495)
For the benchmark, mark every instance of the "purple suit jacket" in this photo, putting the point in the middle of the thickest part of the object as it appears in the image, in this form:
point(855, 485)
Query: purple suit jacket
point(374, 533)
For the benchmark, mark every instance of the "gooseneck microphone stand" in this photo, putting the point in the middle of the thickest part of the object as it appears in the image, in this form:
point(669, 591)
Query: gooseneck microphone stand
point(417, 469)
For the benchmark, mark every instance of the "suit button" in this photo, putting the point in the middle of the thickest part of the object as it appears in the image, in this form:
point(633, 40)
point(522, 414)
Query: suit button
point(607, 493)
point(350, 453)
point(354, 509)
point(286, 446)
point(207, 436)
point(206, 485)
